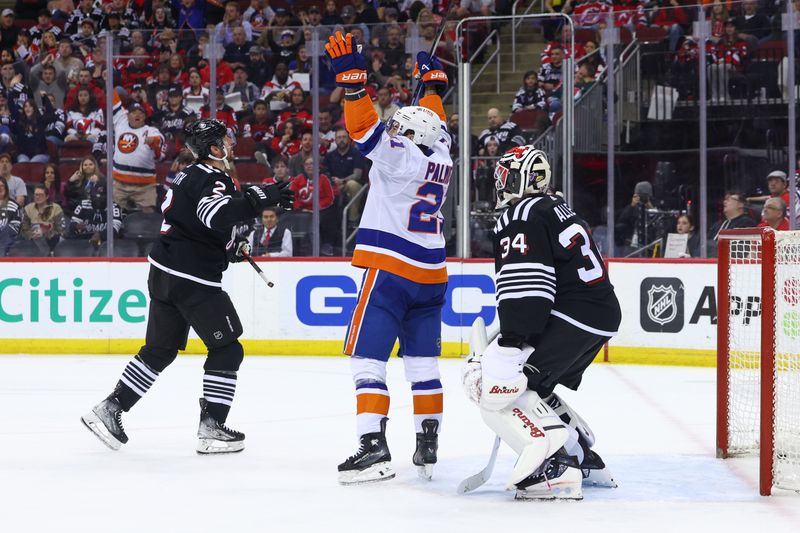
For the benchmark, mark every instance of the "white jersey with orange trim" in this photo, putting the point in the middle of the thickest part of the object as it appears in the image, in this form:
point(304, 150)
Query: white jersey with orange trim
point(401, 226)
point(135, 149)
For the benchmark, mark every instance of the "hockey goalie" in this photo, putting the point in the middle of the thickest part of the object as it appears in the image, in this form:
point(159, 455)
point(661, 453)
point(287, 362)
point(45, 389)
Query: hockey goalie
point(556, 309)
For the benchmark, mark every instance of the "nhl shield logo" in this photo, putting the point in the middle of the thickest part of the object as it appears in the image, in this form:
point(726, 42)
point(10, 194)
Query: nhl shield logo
point(661, 305)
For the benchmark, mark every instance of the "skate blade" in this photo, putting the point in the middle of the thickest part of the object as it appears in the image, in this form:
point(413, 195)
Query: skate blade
point(425, 472)
point(599, 478)
point(377, 472)
point(213, 446)
point(98, 429)
point(555, 491)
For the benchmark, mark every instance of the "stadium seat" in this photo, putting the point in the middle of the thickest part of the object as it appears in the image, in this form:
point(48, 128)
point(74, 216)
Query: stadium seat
point(65, 170)
point(300, 225)
point(251, 172)
point(75, 248)
point(583, 35)
point(245, 149)
point(142, 226)
point(52, 151)
point(651, 34)
point(530, 119)
point(74, 150)
point(29, 172)
point(26, 248)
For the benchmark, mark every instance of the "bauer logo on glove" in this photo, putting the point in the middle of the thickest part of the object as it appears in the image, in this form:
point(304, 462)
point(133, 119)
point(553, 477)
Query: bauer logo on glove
point(429, 70)
point(347, 62)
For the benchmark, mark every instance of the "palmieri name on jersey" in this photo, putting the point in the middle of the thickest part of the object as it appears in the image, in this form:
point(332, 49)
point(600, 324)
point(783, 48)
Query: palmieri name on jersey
point(401, 227)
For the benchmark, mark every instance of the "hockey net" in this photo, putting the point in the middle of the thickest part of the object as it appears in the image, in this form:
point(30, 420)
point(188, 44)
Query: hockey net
point(758, 352)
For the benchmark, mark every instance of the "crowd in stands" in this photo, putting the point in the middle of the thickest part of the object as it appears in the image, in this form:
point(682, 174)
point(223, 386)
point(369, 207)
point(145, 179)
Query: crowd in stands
point(54, 80)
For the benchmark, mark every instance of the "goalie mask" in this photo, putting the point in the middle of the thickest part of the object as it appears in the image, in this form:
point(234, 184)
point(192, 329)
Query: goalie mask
point(520, 171)
point(425, 124)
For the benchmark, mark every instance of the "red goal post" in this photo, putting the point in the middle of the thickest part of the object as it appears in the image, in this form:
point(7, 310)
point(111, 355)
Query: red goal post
point(758, 352)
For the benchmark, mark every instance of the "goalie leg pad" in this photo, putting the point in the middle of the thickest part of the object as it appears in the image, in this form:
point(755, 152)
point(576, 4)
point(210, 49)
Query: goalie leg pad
point(531, 428)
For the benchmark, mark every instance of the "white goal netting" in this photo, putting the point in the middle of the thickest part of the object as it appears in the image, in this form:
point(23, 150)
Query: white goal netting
point(746, 257)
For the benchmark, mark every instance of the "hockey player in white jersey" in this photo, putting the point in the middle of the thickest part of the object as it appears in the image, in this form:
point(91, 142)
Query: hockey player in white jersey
point(400, 244)
point(556, 309)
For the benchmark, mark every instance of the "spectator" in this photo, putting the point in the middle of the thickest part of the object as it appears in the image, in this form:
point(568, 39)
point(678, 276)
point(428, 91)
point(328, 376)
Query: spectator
point(726, 64)
point(225, 113)
point(68, 63)
point(196, 87)
point(190, 18)
point(14, 185)
point(43, 221)
point(258, 14)
point(684, 68)
point(137, 70)
point(506, 132)
point(630, 14)
point(669, 15)
point(56, 129)
point(137, 147)
point(584, 79)
point(302, 63)
point(45, 81)
point(550, 74)
point(85, 81)
point(588, 14)
point(51, 181)
point(530, 95)
point(80, 184)
point(631, 224)
point(685, 225)
point(280, 171)
point(306, 150)
point(159, 87)
point(286, 142)
point(774, 215)
point(394, 53)
point(258, 126)
point(313, 19)
point(86, 10)
point(383, 104)
point(735, 216)
point(86, 38)
point(753, 26)
point(326, 133)
point(184, 159)
point(284, 50)
point(231, 20)
point(173, 118)
point(24, 50)
point(8, 30)
point(297, 110)
point(331, 15)
point(138, 95)
point(344, 165)
point(473, 7)
point(30, 129)
point(10, 215)
point(366, 14)
point(84, 119)
point(48, 45)
point(12, 87)
point(258, 70)
point(276, 91)
point(718, 17)
point(90, 218)
point(303, 201)
point(45, 24)
point(778, 187)
point(269, 238)
point(237, 52)
point(248, 91)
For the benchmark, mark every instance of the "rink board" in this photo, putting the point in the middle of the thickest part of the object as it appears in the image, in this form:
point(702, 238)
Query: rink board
point(100, 306)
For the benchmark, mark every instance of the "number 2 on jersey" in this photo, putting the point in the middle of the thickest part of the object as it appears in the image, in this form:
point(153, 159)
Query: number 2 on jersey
point(423, 215)
point(567, 239)
point(165, 206)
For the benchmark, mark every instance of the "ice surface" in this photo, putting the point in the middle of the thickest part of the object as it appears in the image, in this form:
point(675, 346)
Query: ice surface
point(654, 425)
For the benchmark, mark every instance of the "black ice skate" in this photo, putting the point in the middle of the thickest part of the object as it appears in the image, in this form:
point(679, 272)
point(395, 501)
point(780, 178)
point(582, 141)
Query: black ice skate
point(215, 437)
point(371, 463)
point(105, 421)
point(427, 444)
point(559, 478)
point(594, 470)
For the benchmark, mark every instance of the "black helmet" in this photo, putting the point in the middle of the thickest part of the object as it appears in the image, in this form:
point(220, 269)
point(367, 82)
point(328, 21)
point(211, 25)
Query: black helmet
point(202, 134)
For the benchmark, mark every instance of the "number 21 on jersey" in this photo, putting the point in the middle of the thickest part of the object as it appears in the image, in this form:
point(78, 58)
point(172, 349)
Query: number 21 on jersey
point(424, 214)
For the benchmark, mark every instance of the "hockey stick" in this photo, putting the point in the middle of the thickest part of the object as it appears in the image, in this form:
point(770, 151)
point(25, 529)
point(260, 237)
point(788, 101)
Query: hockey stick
point(258, 270)
point(418, 88)
point(473, 482)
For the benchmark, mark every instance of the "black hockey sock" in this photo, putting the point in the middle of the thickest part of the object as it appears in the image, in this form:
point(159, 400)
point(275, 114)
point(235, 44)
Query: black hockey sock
point(136, 380)
point(218, 390)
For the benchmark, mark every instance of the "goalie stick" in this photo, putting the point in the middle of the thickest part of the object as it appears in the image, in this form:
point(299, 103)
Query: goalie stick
point(478, 343)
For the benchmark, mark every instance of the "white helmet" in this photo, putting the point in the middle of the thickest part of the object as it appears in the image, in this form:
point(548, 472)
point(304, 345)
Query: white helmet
point(520, 171)
point(425, 124)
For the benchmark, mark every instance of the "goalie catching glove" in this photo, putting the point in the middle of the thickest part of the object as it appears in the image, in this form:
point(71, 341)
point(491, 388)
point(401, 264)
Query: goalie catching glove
point(495, 379)
point(346, 61)
point(261, 196)
point(429, 70)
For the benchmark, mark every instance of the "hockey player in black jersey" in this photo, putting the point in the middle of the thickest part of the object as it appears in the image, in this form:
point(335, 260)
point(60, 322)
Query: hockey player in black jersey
point(198, 240)
point(556, 309)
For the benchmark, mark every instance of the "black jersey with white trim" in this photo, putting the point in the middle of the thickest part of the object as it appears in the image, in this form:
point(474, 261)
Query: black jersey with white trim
point(546, 264)
point(200, 210)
